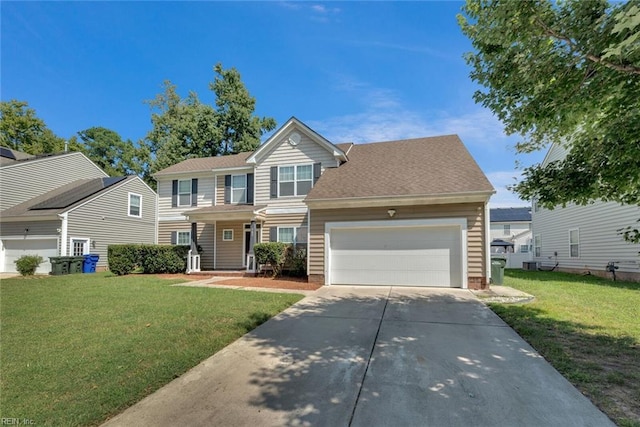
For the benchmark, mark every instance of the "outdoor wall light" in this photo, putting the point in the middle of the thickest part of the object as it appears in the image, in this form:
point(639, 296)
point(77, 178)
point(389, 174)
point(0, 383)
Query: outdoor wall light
point(26, 230)
point(391, 212)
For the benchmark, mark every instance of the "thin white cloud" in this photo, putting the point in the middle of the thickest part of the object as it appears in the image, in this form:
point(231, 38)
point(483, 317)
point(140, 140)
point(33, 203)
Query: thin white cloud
point(505, 198)
point(316, 11)
point(424, 50)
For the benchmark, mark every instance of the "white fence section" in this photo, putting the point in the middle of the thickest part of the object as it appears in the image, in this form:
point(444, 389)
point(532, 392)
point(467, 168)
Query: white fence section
point(514, 260)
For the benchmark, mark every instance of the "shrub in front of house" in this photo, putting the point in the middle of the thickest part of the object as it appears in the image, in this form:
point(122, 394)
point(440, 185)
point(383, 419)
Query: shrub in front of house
point(28, 264)
point(296, 261)
point(156, 259)
point(271, 253)
point(152, 259)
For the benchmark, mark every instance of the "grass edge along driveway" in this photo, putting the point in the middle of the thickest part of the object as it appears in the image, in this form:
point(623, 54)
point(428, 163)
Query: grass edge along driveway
point(588, 328)
point(78, 349)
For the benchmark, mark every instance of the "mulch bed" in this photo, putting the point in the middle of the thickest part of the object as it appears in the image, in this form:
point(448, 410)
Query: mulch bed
point(296, 283)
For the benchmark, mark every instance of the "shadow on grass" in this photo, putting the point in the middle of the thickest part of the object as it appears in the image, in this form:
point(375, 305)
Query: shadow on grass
point(552, 276)
point(605, 368)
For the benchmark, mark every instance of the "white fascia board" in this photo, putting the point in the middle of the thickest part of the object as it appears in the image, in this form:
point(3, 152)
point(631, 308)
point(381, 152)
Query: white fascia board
point(276, 138)
point(281, 211)
point(172, 218)
point(393, 201)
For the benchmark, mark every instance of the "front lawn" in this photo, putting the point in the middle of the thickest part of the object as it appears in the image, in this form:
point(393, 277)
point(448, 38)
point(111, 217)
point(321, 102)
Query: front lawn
point(78, 349)
point(588, 328)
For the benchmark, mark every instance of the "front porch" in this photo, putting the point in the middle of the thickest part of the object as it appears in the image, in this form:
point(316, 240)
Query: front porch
point(236, 229)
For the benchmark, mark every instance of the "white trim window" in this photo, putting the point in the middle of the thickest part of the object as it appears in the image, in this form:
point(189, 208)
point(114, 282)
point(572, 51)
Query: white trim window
point(524, 249)
point(239, 188)
point(506, 230)
point(78, 246)
point(227, 235)
point(296, 236)
point(135, 205)
point(184, 192)
point(574, 243)
point(537, 245)
point(295, 180)
point(183, 238)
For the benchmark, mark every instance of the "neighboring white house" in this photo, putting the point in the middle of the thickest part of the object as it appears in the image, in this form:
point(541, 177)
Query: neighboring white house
point(584, 239)
point(512, 225)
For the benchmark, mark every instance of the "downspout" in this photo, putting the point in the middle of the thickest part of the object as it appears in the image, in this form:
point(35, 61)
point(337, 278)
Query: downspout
point(487, 236)
point(63, 233)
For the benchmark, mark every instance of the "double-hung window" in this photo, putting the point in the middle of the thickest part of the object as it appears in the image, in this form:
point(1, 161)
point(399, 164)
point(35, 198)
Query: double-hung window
point(183, 238)
point(184, 192)
point(295, 180)
point(135, 202)
point(296, 236)
point(506, 230)
point(574, 243)
point(239, 189)
point(537, 245)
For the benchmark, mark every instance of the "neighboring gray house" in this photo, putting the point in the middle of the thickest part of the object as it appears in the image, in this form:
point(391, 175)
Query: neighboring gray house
point(583, 239)
point(512, 225)
point(64, 204)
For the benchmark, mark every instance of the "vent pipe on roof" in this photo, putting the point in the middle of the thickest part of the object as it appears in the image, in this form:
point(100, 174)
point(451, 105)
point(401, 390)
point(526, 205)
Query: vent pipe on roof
point(66, 146)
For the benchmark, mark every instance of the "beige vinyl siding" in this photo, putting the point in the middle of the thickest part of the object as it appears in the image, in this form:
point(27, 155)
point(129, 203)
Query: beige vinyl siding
point(230, 255)
point(220, 190)
point(473, 212)
point(105, 219)
point(205, 194)
point(598, 226)
point(284, 154)
point(293, 220)
point(23, 181)
point(205, 239)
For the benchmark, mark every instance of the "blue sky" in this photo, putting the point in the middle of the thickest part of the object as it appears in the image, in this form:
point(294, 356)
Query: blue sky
point(353, 71)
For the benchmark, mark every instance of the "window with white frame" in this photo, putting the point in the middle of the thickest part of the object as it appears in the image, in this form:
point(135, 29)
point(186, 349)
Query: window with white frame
point(79, 246)
point(135, 205)
point(183, 238)
point(239, 189)
point(537, 245)
point(227, 235)
point(296, 236)
point(574, 243)
point(524, 249)
point(295, 180)
point(506, 230)
point(184, 192)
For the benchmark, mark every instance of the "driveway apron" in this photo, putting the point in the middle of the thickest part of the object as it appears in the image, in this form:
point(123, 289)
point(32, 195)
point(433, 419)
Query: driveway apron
point(373, 357)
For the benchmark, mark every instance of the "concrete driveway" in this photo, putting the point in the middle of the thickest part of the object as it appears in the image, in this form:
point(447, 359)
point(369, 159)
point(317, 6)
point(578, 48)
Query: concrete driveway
point(373, 357)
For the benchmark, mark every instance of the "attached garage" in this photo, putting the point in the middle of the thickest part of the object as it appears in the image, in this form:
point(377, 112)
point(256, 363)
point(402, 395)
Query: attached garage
point(12, 249)
point(430, 252)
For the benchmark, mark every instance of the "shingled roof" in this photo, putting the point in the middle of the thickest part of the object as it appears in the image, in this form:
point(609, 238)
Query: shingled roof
point(435, 166)
point(511, 214)
point(205, 164)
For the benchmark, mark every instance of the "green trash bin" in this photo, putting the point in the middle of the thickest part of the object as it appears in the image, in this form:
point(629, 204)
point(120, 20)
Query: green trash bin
point(497, 270)
point(59, 265)
point(75, 264)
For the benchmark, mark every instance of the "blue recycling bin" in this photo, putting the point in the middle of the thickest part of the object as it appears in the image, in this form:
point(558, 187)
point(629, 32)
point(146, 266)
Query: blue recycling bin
point(90, 261)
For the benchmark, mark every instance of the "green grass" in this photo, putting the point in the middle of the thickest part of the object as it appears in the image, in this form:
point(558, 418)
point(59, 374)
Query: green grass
point(588, 328)
point(78, 349)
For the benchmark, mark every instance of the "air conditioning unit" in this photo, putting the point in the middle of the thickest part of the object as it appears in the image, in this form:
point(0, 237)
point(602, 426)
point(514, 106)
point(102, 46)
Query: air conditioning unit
point(530, 265)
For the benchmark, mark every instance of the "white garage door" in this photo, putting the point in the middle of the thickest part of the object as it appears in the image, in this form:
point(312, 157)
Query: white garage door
point(408, 256)
point(14, 249)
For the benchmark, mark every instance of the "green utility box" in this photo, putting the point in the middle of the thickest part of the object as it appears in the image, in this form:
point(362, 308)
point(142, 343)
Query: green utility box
point(497, 270)
point(59, 265)
point(75, 264)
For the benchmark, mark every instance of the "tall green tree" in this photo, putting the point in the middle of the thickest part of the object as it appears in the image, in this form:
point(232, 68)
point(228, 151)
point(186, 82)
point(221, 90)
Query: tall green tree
point(566, 72)
point(21, 129)
point(241, 130)
point(184, 128)
point(116, 157)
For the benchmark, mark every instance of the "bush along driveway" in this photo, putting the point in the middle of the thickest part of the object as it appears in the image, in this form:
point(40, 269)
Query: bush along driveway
point(80, 348)
point(588, 328)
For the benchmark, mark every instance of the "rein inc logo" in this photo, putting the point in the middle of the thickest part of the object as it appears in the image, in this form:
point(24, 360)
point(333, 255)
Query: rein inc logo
point(16, 422)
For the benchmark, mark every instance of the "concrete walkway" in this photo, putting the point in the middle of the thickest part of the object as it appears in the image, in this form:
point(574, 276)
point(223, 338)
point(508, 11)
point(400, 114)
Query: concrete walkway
point(373, 357)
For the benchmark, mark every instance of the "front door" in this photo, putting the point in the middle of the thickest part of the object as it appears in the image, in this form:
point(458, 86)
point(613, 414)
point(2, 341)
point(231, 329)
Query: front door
point(247, 241)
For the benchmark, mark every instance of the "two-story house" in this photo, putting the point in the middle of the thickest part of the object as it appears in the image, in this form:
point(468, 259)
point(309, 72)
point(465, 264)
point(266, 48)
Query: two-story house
point(411, 212)
point(585, 239)
point(512, 226)
point(64, 205)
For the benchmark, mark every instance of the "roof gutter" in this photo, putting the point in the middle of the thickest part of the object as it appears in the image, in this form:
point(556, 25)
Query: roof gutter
point(380, 201)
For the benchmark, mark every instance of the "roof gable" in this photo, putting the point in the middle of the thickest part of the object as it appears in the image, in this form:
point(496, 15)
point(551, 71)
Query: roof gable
point(284, 133)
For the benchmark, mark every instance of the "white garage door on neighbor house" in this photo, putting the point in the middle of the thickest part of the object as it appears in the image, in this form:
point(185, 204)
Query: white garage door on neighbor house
point(403, 253)
point(14, 249)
